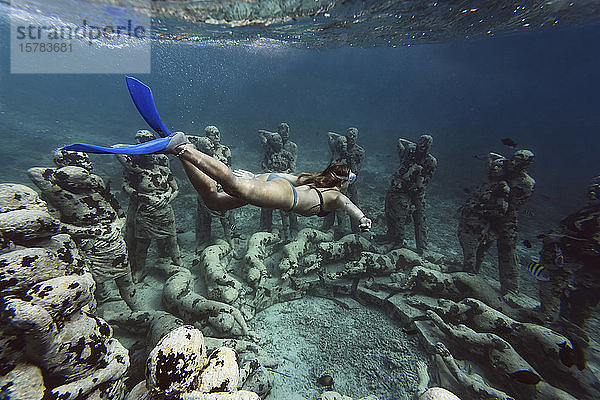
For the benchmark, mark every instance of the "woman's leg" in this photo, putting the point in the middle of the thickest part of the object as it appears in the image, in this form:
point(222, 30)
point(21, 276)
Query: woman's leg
point(207, 189)
point(200, 168)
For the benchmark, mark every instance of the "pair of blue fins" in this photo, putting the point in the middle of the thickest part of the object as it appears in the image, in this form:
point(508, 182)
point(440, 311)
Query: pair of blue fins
point(144, 102)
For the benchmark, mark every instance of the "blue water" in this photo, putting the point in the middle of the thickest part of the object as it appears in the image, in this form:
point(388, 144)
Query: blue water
point(541, 89)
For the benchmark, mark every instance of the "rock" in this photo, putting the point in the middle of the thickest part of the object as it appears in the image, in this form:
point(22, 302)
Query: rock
point(437, 393)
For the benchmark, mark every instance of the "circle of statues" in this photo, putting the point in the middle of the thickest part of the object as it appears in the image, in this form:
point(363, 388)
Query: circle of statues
point(64, 252)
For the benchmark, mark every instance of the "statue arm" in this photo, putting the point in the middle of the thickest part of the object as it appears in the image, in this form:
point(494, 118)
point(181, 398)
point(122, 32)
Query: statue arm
point(264, 136)
point(174, 186)
point(403, 146)
point(129, 191)
point(293, 157)
point(80, 232)
point(41, 177)
point(331, 139)
point(429, 171)
point(360, 159)
point(227, 154)
point(122, 158)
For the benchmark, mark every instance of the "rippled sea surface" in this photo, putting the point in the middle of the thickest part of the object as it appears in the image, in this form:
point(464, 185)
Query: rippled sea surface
point(322, 23)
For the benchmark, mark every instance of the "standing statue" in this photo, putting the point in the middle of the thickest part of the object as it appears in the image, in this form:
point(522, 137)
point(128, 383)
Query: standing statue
point(521, 188)
point(571, 258)
point(345, 149)
point(280, 155)
point(491, 213)
point(92, 216)
point(210, 144)
point(487, 203)
point(406, 194)
point(151, 187)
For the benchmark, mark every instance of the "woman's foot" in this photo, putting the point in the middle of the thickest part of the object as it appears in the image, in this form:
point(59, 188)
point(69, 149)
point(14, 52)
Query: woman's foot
point(175, 145)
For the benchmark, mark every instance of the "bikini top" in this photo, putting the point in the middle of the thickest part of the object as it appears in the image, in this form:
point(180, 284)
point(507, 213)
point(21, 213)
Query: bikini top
point(321, 213)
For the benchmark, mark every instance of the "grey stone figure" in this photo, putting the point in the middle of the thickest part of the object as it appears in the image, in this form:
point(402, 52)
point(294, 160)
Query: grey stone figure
point(406, 194)
point(280, 155)
point(92, 216)
point(53, 346)
point(210, 144)
point(345, 149)
point(488, 202)
point(492, 214)
point(151, 187)
point(571, 257)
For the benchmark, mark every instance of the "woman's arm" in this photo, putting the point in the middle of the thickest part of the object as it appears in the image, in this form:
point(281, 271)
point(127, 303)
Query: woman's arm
point(345, 204)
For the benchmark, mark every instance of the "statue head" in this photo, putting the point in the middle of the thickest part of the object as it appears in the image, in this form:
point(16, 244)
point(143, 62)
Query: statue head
point(424, 144)
point(351, 136)
point(143, 136)
point(521, 159)
point(341, 145)
point(594, 190)
point(64, 158)
point(213, 134)
point(275, 142)
point(406, 149)
point(284, 131)
point(496, 166)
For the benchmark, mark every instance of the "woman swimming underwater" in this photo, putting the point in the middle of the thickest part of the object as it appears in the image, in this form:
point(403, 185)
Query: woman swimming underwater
point(306, 194)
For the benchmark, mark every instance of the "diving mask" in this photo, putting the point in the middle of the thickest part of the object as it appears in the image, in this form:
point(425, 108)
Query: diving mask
point(351, 178)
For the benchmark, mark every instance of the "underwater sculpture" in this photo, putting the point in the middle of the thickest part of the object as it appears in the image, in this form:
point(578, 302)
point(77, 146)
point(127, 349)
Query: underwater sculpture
point(406, 194)
point(210, 144)
point(571, 257)
point(280, 155)
point(491, 213)
point(345, 149)
point(52, 346)
point(488, 202)
point(151, 187)
point(459, 318)
point(92, 216)
point(180, 367)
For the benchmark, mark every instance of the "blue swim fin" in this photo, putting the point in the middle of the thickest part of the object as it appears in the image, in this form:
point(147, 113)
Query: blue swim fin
point(149, 147)
point(144, 102)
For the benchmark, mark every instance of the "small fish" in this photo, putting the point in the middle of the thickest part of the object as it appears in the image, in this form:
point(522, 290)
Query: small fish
point(576, 336)
point(527, 243)
point(567, 355)
point(526, 377)
point(467, 190)
point(325, 380)
point(559, 258)
point(277, 372)
point(481, 157)
point(508, 142)
point(410, 331)
point(536, 270)
point(528, 212)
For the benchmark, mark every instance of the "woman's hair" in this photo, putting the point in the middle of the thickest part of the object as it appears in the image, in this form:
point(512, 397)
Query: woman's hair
point(326, 178)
